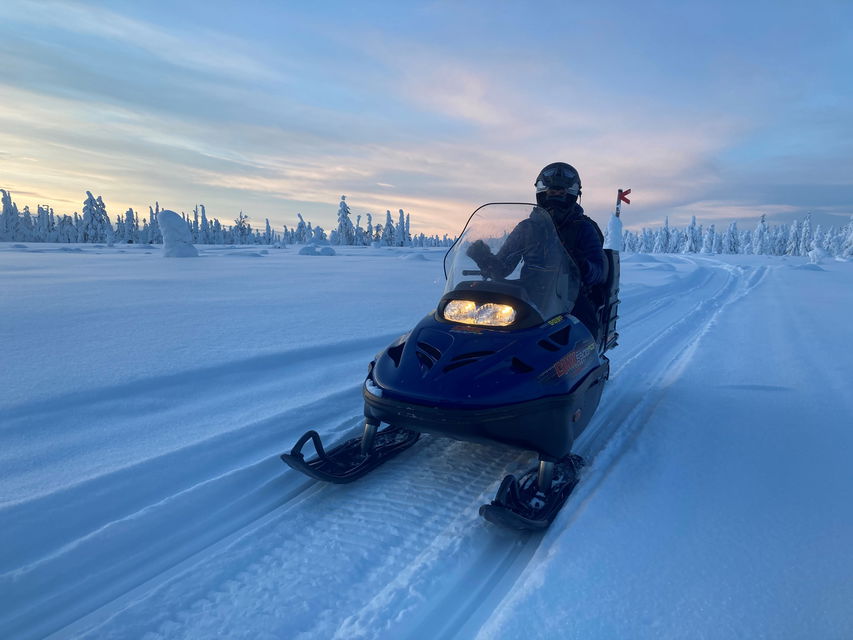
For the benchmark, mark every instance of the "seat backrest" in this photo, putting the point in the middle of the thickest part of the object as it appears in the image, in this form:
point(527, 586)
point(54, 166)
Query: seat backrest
point(609, 304)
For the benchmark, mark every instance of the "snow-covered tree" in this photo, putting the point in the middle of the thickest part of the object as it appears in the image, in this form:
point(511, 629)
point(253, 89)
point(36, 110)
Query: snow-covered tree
point(834, 241)
point(693, 240)
point(388, 235)
point(345, 230)
point(709, 240)
point(806, 236)
point(662, 238)
point(241, 230)
point(131, 226)
point(155, 236)
point(177, 236)
point(819, 241)
point(9, 219)
point(793, 248)
point(43, 227)
point(847, 246)
point(204, 237)
point(96, 222)
point(779, 242)
point(301, 233)
point(730, 239)
point(760, 238)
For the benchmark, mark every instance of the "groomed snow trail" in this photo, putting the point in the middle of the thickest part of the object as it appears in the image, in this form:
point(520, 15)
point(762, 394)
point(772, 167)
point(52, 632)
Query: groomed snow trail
point(209, 534)
point(725, 517)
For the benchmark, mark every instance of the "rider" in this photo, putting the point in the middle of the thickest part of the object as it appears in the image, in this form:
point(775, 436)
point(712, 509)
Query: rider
point(558, 187)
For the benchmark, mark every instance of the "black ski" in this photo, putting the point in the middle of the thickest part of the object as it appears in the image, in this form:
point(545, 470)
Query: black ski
point(520, 505)
point(349, 461)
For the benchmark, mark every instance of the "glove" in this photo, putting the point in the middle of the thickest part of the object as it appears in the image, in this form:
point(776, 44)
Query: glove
point(479, 252)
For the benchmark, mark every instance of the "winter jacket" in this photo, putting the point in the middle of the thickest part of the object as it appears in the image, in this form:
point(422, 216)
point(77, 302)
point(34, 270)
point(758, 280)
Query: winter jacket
point(579, 235)
point(583, 241)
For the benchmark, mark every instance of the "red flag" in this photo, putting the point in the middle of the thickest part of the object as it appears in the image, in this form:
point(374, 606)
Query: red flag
point(622, 195)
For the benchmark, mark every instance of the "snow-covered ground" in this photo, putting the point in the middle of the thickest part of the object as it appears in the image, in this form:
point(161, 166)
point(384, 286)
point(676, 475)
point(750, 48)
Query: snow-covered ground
point(144, 402)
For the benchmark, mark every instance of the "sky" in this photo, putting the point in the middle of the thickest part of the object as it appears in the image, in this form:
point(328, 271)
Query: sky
point(720, 110)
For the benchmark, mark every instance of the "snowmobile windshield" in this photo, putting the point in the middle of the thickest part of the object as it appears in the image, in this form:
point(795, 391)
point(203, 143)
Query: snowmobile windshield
point(513, 250)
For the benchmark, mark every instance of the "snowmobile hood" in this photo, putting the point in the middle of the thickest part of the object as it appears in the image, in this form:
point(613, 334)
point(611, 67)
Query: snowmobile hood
point(452, 365)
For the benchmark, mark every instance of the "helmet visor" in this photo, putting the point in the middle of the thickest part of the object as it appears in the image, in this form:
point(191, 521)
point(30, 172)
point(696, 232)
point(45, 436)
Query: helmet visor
point(558, 183)
point(558, 178)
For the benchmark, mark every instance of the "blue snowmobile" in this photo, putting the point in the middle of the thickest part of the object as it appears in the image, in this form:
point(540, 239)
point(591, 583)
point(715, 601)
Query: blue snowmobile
point(500, 359)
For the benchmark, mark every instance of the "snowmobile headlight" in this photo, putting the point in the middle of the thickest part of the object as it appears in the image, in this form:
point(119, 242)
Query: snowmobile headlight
point(488, 314)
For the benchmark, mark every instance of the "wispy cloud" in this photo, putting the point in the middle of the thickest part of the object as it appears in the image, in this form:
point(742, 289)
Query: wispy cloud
point(197, 49)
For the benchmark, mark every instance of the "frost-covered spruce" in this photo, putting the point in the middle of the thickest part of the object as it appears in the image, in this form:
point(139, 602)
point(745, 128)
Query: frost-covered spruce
point(760, 238)
point(847, 248)
point(806, 236)
point(301, 233)
point(400, 231)
point(388, 234)
point(345, 230)
point(710, 239)
point(177, 240)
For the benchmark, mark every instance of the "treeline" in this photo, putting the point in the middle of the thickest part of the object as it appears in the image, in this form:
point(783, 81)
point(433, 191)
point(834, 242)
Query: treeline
point(795, 239)
point(94, 226)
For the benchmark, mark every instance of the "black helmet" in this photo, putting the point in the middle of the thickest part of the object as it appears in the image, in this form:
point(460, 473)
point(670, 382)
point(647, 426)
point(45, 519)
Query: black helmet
point(559, 175)
point(558, 187)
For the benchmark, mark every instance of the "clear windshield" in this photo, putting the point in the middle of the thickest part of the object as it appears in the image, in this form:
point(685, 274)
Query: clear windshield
point(515, 247)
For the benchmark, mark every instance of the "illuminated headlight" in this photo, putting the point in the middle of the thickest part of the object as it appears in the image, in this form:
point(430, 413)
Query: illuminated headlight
point(489, 314)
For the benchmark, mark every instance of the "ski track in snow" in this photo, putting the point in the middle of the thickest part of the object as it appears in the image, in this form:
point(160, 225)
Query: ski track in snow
point(254, 545)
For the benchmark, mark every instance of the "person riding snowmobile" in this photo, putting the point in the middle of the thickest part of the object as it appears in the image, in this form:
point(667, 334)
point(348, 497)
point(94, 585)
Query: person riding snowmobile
point(558, 187)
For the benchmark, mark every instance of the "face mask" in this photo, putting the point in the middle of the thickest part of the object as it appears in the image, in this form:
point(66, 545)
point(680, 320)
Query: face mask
point(560, 208)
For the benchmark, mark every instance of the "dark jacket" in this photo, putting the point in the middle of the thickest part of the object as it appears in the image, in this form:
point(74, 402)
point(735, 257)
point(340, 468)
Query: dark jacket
point(584, 242)
point(579, 235)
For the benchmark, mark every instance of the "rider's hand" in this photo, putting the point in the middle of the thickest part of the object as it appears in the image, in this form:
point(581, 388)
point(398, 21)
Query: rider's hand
point(479, 252)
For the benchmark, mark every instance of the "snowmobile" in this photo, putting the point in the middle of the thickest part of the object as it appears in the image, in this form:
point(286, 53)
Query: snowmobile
point(500, 359)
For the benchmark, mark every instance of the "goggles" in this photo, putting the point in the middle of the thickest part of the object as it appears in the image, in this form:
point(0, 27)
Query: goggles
point(559, 183)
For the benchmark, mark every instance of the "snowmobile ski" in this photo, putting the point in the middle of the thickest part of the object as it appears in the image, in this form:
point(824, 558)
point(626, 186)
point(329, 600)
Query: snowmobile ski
point(520, 505)
point(352, 459)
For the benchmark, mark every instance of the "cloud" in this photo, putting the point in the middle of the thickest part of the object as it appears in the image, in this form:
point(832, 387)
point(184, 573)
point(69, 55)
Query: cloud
point(196, 49)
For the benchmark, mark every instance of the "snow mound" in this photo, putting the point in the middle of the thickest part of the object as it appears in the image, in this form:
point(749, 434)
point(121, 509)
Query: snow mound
point(809, 267)
point(177, 241)
point(661, 266)
point(638, 257)
point(817, 256)
point(71, 249)
point(246, 254)
point(415, 256)
point(19, 246)
point(313, 250)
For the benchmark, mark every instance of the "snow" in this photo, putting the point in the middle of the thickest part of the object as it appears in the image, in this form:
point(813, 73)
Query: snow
point(613, 235)
point(177, 241)
point(145, 403)
point(314, 250)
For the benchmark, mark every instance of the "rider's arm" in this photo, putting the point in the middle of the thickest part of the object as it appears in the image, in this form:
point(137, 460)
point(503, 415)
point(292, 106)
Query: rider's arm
point(590, 252)
point(512, 251)
point(507, 258)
